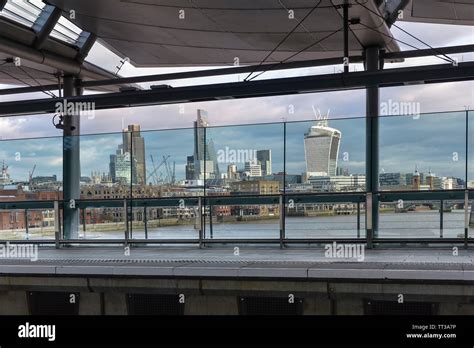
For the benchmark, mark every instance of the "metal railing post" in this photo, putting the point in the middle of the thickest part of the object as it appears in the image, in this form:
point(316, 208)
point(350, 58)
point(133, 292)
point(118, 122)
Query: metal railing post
point(441, 218)
point(466, 177)
point(368, 220)
point(57, 224)
point(125, 210)
point(84, 221)
point(282, 221)
point(199, 219)
point(358, 219)
point(283, 197)
point(211, 228)
point(145, 219)
point(466, 218)
point(27, 222)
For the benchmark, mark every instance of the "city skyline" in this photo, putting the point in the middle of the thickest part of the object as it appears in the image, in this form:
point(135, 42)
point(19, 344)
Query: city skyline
point(411, 149)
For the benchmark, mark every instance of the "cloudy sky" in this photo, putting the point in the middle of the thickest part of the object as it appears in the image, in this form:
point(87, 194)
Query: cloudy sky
point(433, 142)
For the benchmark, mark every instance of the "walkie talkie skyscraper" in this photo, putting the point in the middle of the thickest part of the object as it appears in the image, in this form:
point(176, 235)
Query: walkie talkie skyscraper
point(321, 146)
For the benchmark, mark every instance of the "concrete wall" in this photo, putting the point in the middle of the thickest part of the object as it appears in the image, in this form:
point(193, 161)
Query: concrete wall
point(220, 297)
point(13, 303)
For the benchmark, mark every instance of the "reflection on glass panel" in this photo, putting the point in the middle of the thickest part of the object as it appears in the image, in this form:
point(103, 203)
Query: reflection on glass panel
point(453, 219)
point(325, 220)
point(29, 224)
point(241, 160)
point(249, 221)
point(106, 166)
point(102, 223)
point(163, 164)
point(422, 152)
point(171, 222)
point(421, 219)
point(325, 156)
point(31, 169)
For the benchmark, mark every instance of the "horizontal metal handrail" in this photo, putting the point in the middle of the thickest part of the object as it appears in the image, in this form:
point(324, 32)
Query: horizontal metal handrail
point(324, 240)
point(324, 197)
point(300, 198)
point(26, 205)
point(257, 199)
point(424, 195)
point(313, 197)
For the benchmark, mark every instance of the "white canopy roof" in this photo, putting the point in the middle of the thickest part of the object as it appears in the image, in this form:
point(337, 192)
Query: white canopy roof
point(210, 32)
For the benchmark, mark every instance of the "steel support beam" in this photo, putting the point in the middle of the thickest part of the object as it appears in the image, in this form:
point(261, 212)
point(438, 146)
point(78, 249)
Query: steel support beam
point(16, 49)
point(345, 18)
point(427, 52)
point(187, 75)
point(64, 64)
point(44, 24)
point(391, 8)
point(84, 43)
point(71, 164)
point(272, 87)
point(388, 57)
point(224, 71)
point(372, 64)
point(391, 56)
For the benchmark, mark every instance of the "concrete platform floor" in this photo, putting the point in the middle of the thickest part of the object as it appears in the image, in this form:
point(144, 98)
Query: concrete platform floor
point(435, 264)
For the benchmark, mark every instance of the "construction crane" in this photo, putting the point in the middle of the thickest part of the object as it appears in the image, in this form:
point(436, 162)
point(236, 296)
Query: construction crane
point(30, 176)
point(174, 173)
point(170, 171)
point(154, 173)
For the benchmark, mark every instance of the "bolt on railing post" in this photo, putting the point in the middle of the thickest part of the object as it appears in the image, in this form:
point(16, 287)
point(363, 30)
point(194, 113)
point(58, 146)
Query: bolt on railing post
point(441, 218)
point(466, 218)
point(57, 224)
point(368, 220)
